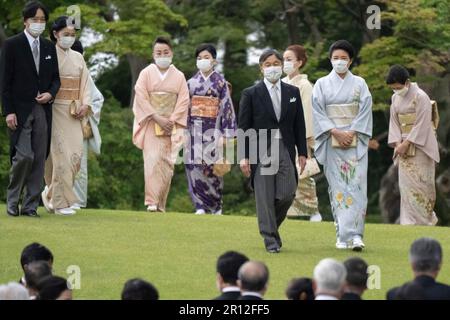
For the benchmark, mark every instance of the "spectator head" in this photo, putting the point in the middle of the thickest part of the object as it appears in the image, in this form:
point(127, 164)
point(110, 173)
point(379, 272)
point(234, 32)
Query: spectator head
point(35, 252)
point(300, 289)
point(54, 288)
point(253, 276)
point(34, 273)
point(78, 46)
point(357, 275)
point(13, 291)
point(329, 278)
point(425, 257)
point(410, 291)
point(137, 289)
point(227, 268)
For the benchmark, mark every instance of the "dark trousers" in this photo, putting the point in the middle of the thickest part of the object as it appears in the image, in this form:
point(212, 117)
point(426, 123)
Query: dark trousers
point(27, 170)
point(274, 195)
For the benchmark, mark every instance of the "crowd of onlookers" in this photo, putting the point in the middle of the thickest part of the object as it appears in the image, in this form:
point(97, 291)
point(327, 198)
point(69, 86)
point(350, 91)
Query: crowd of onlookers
point(239, 278)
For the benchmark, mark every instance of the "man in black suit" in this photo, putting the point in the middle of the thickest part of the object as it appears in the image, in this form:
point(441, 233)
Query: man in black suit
point(356, 280)
point(228, 266)
point(253, 279)
point(272, 126)
point(425, 257)
point(30, 80)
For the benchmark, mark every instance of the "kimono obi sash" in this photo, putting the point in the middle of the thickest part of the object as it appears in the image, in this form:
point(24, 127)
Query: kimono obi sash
point(163, 102)
point(342, 115)
point(407, 121)
point(206, 107)
point(69, 89)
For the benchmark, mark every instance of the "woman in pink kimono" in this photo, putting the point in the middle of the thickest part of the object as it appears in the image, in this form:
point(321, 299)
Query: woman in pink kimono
point(412, 134)
point(160, 115)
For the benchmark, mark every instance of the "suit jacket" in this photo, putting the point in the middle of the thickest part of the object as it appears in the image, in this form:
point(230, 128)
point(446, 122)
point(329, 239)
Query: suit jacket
point(230, 295)
point(432, 290)
point(256, 112)
point(20, 81)
point(250, 297)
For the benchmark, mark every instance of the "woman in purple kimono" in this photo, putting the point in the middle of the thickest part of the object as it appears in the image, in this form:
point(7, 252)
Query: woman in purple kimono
point(211, 126)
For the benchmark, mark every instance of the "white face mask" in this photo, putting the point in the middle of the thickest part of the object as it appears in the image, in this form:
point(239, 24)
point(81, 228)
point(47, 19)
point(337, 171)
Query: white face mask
point(204, 65)
point(66, 42)
point(288, 67)
point(36, 28)
point(273, 74)
point(402, 92)
point(163, 62)
point(340, 66)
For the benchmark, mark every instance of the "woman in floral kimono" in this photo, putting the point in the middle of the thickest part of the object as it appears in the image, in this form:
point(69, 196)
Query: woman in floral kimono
point(416, 153)
point(70, 111)
point(211, 126)
point(306, 202)
point(342, 112)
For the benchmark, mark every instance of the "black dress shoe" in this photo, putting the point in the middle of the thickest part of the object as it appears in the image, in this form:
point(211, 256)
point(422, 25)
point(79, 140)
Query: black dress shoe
point(32, 214)
point(12, 213)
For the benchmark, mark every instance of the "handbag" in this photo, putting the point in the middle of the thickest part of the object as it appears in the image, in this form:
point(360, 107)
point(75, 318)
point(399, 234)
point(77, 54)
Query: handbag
point(221, 168)
point(311, 168)
point(86, 128)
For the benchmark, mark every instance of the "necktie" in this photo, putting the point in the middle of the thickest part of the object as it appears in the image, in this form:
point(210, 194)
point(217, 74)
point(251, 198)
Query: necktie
point(276, 102)
point(36, 54)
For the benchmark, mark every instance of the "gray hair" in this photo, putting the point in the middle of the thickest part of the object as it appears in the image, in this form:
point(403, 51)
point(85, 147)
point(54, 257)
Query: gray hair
point(254, 276)
point(270, 52)
point(329, 275)
point(425, 255)
point(13, 291)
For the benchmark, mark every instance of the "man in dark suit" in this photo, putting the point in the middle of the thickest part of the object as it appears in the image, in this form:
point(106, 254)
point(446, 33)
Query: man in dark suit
point(30, 81)
point(228, 266)
point(425, 257)
point(356, 280)
point(253, 279)
point(272, 126)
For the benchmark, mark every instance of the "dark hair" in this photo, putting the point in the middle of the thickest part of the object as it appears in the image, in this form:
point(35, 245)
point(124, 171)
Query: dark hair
point(137, 289)
point(59, 24)
point(78, 46)
point(254, 277)
point(208, 47)
point(356, 272)
point(163, 40)
point(342, 45)
point(269, 52)
point(31, 8)
point(35, 252)
point(410, 291)
point(425, 255)
point(35, 272)
point(300, 53)
point(397, 74)
point(228, 265)
point(51, 287)
point(299, 286)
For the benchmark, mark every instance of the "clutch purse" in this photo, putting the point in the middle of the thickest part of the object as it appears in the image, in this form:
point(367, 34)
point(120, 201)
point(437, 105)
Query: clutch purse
point(335, 143)
point(311, 168)
point(411, 150)
point(221, 168)
point(73, 108)
point(87, 129)
point(160, 132)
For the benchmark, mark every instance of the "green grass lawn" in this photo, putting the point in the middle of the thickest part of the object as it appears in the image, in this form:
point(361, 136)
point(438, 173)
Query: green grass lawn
point(177, 252)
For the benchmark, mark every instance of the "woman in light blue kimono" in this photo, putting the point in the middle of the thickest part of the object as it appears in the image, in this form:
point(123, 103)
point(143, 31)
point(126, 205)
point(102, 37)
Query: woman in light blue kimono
point(342, 113)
